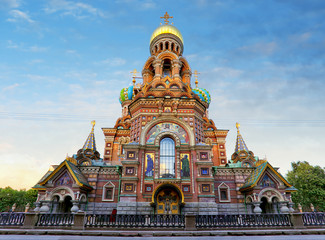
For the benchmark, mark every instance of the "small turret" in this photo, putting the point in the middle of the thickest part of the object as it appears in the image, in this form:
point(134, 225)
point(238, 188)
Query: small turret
point(88, 152)
point(242, 154)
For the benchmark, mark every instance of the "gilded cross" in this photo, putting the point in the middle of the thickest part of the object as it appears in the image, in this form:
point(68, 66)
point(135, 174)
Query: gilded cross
point(196, 73)
point(166, 17)
point(134, 73)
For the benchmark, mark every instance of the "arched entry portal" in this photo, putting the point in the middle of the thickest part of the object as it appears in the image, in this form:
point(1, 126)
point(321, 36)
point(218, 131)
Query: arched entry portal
point(67, 204)
point(168, 199)
point(266, 206)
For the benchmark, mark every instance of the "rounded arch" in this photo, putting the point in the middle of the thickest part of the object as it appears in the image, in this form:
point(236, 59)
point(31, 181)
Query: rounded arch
point(172, 135)
point(83, 198)
point(249, 199)
point(149, 62)
point(55, 192)
point(167, 55)
point(185, 64)
point(275, 193)
point(167, 119)
point(175, 85)
point(164, 186)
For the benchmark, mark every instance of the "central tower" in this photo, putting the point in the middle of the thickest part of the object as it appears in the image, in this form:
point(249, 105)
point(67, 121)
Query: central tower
point(164, 140)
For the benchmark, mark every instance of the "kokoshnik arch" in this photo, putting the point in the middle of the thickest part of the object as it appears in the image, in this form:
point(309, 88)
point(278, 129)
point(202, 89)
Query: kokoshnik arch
point(164, 155)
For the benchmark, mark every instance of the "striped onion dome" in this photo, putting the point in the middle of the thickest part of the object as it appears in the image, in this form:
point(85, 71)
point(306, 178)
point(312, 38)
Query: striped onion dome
point(203, 94)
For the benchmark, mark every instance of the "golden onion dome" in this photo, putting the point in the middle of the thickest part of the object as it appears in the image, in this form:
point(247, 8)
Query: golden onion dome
point(166, 29)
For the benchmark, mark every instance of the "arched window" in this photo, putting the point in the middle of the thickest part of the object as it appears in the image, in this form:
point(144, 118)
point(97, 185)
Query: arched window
point(167, 158)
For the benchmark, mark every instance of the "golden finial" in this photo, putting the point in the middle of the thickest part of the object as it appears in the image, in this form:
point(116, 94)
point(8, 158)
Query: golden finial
point(93, 122)
point(166, 17)
point(237, 126)
point(134, 73)
point(196, 73)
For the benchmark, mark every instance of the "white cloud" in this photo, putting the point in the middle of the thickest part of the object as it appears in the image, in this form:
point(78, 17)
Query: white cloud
point(226, 72)
point(75, 9)
point(140, 4)
point(21, 47)
point(9, 3)
point(11, 87)
point(113, 62)
point(260, 48)
point(17, 16)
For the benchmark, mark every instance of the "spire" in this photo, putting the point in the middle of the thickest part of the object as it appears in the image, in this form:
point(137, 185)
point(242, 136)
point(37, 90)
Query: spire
point(240, 144)
point(90, 142)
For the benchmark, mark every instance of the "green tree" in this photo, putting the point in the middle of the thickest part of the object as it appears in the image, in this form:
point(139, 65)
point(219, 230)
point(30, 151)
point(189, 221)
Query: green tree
point(9, 197)
point(310, 182)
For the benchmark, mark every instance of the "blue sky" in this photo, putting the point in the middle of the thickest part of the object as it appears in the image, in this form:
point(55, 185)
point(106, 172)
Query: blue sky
point(63, 63)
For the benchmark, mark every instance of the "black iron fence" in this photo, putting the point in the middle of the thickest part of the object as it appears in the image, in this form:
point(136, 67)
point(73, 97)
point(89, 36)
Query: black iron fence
point(243, 220)
point(55, 219)
point(135, 221)
point(313, 219)
point(82, 220)
point(12, 219)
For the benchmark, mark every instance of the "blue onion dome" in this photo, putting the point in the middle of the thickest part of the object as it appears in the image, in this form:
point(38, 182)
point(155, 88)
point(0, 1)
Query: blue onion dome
point(126, 94)
point(203, 94)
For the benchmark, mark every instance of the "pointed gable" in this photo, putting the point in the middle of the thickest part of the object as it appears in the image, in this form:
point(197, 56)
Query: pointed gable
point(256, 177)
point(68, 177)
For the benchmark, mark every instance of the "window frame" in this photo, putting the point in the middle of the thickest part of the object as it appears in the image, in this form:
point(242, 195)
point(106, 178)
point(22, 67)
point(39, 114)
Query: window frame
point(167, 156)
point(106, 186)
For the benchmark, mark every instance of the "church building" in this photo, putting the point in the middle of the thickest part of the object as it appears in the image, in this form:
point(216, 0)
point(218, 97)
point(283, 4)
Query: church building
point(164, 155)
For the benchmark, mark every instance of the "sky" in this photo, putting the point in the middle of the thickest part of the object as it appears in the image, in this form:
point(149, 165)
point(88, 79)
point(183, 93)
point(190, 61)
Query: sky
point(63, 64)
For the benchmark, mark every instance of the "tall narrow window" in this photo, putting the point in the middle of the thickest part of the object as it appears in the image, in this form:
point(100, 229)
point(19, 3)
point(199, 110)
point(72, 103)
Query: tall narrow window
point(167, 158)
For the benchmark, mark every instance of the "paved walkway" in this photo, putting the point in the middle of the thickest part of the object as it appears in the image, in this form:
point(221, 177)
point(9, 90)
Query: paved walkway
point(148, 233)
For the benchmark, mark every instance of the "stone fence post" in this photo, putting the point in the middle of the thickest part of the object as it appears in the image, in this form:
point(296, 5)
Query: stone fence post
point(296, 220)
point(190, 222)
point(79, 221)
point(30, 220)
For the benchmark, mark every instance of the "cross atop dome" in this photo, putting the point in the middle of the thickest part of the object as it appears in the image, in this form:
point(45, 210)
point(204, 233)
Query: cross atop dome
point(166, 17)
point(196, 73)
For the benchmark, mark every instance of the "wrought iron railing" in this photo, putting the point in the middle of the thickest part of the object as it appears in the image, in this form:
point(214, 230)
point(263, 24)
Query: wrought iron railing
point(55, 219)
point(313, 218)
point(135, 221)
point(243, 220)
point(12, 219)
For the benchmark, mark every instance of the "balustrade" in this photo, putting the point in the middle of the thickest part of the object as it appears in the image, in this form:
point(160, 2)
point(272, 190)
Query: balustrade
point(135, 221)
point(313, 218)
point(242, 220)
point(12, 219)
point(55, 219)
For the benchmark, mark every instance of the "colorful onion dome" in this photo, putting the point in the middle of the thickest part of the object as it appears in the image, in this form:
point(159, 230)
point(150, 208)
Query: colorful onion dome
point(126, 94)
point(166, 29)
point(203, 94)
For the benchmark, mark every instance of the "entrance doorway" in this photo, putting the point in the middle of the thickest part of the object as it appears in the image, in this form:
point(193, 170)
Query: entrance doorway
point(168, 199)
point(266, 206)
point(67, 204)
point(167, 202)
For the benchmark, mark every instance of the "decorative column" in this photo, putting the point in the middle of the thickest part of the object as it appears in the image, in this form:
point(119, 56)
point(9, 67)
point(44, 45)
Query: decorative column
point(75, 207)
point(45, 206)
point(186, 75)
point(37, 206)
point(176, 67)
point(257, 208)
point(157, 64)
point(291, 204)
point(284, 208)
